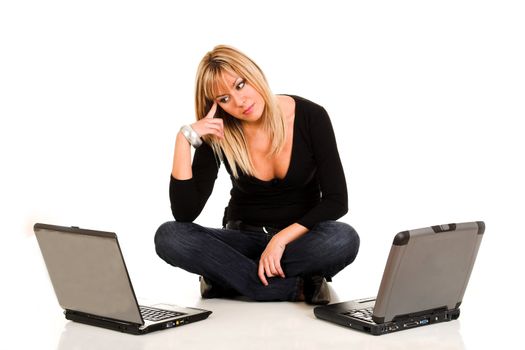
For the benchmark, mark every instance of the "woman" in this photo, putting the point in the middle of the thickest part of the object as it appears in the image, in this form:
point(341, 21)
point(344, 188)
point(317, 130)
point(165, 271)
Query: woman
point(279, 240)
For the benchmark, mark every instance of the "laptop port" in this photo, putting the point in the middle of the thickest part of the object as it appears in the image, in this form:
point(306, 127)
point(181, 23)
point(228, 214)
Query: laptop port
point(411, 324)
point(392, 328)
point(170, 324)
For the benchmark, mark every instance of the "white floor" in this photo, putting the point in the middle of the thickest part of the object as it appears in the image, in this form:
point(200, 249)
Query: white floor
point(36, 321)
point(240, 325)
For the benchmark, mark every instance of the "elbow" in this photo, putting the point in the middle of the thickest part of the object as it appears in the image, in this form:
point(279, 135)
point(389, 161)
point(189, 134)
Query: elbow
point(345, 210)
point(342, 210)
point(183, 215)
point(180, 218)
point(339, 207)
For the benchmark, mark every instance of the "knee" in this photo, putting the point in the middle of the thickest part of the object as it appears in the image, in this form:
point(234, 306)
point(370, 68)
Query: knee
point(168, 236)
point(342, 238)
point(352, 241)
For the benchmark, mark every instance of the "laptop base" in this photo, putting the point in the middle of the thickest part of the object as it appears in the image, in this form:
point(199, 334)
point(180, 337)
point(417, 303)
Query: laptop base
point(338, 313)
point(133, 328)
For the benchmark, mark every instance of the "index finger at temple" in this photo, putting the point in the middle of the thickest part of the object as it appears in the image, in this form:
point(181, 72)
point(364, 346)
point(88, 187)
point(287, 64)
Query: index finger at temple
point(212, 111)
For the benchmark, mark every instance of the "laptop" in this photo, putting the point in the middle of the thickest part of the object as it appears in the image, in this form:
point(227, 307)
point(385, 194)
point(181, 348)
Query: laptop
point(92, 284)
point(424, 281)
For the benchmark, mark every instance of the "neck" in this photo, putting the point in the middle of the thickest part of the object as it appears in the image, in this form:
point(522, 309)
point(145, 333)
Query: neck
point(252, 128)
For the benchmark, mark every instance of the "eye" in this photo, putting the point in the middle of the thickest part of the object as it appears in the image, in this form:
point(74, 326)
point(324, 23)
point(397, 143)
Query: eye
point(241, 84)
point(224, 99)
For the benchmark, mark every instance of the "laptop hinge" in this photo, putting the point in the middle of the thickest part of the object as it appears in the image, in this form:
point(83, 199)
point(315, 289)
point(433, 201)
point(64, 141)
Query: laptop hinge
point(74, 315)
point(438, 310)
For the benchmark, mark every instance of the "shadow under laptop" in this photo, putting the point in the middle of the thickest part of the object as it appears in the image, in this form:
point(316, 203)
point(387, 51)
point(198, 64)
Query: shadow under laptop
point(79, 337)
point(445, 335)
point(234, 324)
point(439, 336)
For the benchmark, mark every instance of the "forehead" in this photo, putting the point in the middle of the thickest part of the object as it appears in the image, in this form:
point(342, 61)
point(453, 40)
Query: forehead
point(224, 82)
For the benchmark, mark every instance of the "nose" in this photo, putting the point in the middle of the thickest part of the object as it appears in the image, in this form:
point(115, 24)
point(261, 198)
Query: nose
point(239, 99)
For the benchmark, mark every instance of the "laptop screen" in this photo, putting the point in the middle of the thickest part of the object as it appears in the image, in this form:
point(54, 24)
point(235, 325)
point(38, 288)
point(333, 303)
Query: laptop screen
point(88, 272)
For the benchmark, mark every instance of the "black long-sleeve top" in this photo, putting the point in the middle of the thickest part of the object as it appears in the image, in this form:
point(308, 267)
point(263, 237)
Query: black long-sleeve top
point(313, 190)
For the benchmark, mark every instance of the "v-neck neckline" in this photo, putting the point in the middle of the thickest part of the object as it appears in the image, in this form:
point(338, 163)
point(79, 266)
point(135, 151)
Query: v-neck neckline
point(277, 180)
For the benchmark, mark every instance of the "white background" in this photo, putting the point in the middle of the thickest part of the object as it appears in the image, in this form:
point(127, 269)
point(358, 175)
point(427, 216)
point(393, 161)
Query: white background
point(425, 97)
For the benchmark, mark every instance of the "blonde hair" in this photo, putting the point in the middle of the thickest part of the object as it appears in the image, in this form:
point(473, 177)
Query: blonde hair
point(234, 147)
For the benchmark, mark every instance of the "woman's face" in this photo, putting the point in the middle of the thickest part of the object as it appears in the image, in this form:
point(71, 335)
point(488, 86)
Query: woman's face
point(239, 99)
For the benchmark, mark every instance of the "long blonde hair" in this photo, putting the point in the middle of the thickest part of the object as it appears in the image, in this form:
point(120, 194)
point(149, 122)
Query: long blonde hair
point(234, 147)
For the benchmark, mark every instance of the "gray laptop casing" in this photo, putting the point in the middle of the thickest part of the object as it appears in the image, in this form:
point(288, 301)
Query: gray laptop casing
point(427, 269)
point(91, 281)
point(424, 281)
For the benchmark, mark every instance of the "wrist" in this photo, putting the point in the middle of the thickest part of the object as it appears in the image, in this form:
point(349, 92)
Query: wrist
point(290, 234)
point(181, 142)
point(280, 241)
point(191, 136)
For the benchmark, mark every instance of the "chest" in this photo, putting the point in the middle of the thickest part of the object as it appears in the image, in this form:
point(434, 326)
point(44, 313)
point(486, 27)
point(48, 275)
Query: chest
point(268, 167)
point(295, 167)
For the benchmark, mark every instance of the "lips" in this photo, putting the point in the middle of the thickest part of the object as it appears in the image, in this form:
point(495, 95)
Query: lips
point(249, 109)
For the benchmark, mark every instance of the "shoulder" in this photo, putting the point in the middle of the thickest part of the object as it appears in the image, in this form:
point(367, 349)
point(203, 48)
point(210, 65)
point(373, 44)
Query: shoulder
point(287, 105)
point(304, 105)
point(310, 115)
point(305, 109)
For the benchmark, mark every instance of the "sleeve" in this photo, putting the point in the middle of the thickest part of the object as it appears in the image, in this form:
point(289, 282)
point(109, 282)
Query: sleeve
point(330, 173)
point(188, 197)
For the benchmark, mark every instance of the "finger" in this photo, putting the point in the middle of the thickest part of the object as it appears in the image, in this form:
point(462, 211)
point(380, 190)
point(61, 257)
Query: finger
point(274, 260)
point(261, 274)
point(217, 127)
point(280, 271)
point(273, 270)
point(212, 111)
point(217, 132)
point(209, 126)
point(268, 270)
point(217, 121)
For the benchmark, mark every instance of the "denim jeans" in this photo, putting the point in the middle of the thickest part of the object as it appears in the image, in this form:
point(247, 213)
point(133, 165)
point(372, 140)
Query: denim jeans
point(231, 257)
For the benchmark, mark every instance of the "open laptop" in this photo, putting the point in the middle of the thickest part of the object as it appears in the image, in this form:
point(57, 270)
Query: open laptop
point(92, 284)
point(424, 281)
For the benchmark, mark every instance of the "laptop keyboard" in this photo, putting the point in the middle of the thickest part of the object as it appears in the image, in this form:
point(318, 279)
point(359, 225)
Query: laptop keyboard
point(153, 314)
point(363, 314)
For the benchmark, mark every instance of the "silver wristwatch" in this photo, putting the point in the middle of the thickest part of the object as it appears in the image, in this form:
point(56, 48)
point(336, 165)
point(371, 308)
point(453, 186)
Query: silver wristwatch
point(193, 138)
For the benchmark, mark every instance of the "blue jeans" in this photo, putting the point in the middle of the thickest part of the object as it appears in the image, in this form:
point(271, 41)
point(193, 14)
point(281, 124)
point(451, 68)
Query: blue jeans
point(231, 257)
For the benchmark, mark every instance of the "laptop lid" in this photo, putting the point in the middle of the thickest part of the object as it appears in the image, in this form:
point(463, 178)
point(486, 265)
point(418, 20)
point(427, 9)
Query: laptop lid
point(427, 270)
point(88, 272)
